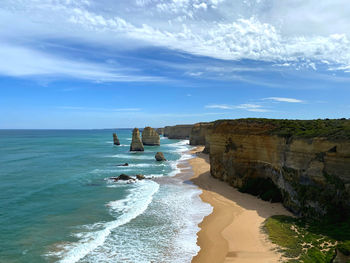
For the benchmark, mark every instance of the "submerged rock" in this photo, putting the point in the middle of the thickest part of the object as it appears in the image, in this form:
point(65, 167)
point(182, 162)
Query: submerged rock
point(160, 156)
point(150, 136)
point(123, 177)
point(123, 164)
point(115, 139)
point(136, 143)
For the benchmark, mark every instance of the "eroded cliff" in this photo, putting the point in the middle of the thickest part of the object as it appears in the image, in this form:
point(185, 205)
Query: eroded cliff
point(178, 131)
point(307, 162)
point(200, 135)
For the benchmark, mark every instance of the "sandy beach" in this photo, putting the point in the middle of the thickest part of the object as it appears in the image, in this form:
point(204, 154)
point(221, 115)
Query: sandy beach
point(232, 232)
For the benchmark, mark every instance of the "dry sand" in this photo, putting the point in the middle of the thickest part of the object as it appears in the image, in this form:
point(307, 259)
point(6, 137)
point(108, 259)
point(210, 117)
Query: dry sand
point(232, 232)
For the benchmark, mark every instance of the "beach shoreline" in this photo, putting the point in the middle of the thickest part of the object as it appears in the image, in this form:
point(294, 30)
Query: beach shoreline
point(233, 231)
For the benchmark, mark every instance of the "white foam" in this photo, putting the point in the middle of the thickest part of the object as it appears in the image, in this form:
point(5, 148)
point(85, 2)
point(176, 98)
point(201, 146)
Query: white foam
point(131, 207)
point(171, 238)
point(131, 156)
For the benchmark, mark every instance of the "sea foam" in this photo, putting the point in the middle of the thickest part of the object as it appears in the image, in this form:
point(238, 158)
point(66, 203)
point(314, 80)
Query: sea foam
point(124, 210)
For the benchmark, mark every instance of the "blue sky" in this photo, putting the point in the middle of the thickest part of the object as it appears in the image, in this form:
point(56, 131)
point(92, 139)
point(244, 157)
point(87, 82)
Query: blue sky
point(110, 64)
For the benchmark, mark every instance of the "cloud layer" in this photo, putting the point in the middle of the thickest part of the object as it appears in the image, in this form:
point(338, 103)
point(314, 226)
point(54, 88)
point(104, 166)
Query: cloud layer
point(297, 34)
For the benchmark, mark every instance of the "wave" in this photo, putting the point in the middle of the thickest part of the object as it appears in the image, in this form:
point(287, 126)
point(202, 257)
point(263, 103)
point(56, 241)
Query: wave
point(124, 210)
point(169, 234)
point(131, 156)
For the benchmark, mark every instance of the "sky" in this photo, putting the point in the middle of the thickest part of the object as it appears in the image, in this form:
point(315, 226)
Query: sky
point(87, 64)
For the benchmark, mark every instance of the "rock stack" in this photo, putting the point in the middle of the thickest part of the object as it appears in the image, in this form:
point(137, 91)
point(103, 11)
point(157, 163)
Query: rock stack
point(150, 136)
point(115, 139)
point(136, 143)
point(160, 157)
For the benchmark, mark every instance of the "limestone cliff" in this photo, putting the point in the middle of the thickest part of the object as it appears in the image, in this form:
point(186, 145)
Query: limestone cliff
point(150, 136)
point(178, 131)
point(136, 143)
point(200, 133)
point(166, 131)
point(160, 131)
point(308, 161)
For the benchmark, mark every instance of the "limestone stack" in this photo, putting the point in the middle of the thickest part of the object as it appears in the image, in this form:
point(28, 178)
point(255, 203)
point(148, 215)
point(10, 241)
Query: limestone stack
point(136, 143)
point(150, 137)
point(115, 139)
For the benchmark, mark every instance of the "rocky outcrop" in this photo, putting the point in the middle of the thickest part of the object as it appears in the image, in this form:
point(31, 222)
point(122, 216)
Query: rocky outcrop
point(122, 177)
point(140, 177)
point(307, 161)
point(159, 156)
point(150, 136)
point(178, 131)
point(115, 139)
point(160, 131)
point(136, 143)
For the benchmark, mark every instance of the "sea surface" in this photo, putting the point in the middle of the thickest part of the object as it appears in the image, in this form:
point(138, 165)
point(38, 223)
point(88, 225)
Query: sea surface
point(57, 203)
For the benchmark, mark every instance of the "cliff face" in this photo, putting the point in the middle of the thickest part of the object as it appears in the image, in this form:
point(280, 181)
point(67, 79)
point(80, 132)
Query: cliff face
point(160, 131)
point(198, 133)
point(178, 131)
point(150, 136)
point(311, 173)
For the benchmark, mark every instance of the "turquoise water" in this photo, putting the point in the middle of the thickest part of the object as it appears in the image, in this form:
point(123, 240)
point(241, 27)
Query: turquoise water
point(58, 205)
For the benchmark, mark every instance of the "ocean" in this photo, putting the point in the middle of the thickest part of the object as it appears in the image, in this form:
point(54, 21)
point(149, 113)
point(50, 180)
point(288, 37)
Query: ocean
point(57, 203)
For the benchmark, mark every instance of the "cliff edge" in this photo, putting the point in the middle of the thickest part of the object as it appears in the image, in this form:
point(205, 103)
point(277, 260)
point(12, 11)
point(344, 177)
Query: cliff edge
point(304, 164)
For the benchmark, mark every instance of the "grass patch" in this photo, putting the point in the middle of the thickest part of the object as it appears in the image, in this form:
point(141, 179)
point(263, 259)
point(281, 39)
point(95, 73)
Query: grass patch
point(308, 241)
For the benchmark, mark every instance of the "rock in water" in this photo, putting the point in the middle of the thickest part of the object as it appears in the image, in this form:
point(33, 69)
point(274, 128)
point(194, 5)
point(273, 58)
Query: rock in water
point(160, 156)
point(124, 164)
point(150, 136)
point(136, 143)
point(123, 177)
point(115, 139)
point(140, 177)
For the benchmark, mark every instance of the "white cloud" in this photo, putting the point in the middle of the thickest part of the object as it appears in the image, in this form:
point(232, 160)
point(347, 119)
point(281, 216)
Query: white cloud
point(247, 106)
point(22, 62)
point(252, 107)
point(279, 99)
point(289, 33)
point(219, 106)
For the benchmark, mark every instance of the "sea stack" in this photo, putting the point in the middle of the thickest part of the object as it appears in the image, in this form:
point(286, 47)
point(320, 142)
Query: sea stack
point(115, 139)
point(136, 143)
point(150, 136)
point(160, 157)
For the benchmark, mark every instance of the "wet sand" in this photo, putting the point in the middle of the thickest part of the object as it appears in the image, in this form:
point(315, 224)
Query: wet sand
point(233, 231)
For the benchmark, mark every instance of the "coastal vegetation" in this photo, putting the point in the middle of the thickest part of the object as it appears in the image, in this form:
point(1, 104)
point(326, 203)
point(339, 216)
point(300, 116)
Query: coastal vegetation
point(333, 129)
point(307, 241)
